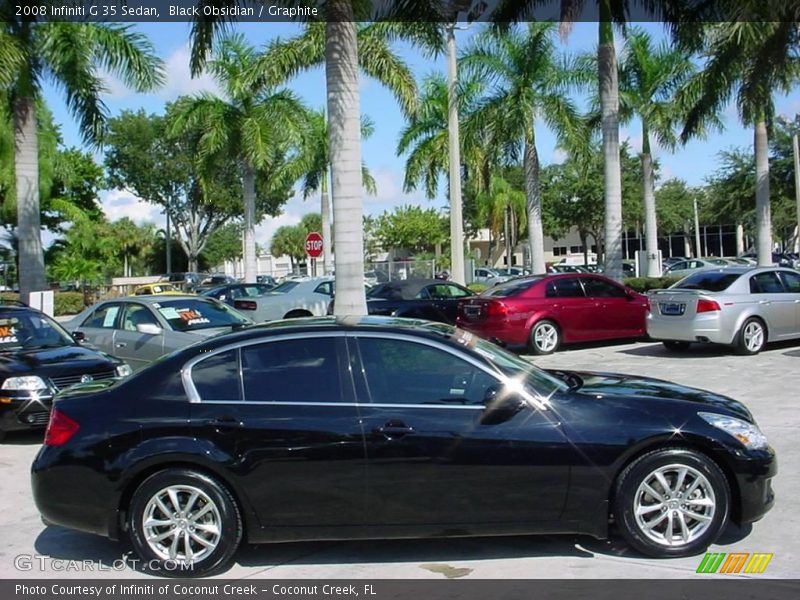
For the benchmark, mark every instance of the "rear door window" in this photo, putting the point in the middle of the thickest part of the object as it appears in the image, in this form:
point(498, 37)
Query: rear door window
point(791, 282)
point(766, 283)
point(565, 287)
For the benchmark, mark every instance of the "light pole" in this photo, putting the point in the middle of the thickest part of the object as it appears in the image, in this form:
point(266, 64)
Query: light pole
point(696, 230)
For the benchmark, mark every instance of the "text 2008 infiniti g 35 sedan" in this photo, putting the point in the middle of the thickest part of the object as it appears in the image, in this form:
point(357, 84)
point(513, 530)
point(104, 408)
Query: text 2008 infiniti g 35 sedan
point(335, 428)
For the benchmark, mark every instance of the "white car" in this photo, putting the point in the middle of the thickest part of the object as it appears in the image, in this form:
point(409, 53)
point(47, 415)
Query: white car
point(488, 277)
point(307, 297)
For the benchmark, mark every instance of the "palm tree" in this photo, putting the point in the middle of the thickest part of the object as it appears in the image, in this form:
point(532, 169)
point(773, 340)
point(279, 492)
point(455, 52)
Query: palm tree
point(127, 234)
point(747, 61)
point(70, 55)
point(316, 165)
point(503, 208)
point(426, 135)
point(528, 83)
point(258, 125)
point(649, 79)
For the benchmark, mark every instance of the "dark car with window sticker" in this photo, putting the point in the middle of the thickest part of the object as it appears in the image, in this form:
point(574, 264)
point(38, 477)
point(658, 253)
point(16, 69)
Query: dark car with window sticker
point(37, 360)
point(372, 427)
point(140, 329)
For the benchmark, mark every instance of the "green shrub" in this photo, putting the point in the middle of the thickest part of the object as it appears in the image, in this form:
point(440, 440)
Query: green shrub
point(64, 303)
point(68, 303)
point(477, 287)
point(645, 284)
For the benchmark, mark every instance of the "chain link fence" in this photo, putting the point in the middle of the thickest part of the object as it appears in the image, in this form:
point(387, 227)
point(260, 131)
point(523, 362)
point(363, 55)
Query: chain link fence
point(382, 272)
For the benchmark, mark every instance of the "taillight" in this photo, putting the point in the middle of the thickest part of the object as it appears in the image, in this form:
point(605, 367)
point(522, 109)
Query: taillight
point(245, 305)
point(60, 429)
point(496, 309)
point(704, 305)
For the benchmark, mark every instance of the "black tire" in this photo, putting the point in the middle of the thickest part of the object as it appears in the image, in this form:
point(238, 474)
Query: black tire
point(296, 314)
point(711, 494)
point(227, 514)
point(743, 343)
point(676, 346)
point(544, 329)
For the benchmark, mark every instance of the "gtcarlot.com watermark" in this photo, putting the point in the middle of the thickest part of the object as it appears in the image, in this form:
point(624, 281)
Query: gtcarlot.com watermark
point(38, 562)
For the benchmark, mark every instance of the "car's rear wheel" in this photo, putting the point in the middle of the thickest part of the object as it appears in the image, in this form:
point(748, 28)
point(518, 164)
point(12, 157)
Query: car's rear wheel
point(752, 337)
point(671, 502)
point(676, 346)
point(184, 523)
point(545, 337)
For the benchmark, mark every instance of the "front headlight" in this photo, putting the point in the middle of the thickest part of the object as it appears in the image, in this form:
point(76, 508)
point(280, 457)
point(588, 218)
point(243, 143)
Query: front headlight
point(124, 370)
point(748, 434)
point(26, 383)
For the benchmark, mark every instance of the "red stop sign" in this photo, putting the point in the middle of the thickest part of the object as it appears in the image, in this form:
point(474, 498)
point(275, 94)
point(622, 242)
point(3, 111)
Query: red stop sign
point(314, 244)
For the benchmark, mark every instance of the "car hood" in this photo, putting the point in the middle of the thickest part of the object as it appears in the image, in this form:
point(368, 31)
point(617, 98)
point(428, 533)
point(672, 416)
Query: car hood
point(644, 389)
point(55, 361)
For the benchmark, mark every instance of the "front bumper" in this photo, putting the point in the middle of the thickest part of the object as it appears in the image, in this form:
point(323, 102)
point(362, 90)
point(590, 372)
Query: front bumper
point(23, 412)
point(754, 474)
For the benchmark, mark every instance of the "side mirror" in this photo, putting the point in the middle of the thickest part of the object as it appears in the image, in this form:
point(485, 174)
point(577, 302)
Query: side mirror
point(500, 405)
point(149, 329)
point(78, 336)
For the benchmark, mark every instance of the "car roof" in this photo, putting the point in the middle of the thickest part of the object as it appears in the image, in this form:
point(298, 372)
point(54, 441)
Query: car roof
point(310, 325)
point(155, 298)
point(408, 288)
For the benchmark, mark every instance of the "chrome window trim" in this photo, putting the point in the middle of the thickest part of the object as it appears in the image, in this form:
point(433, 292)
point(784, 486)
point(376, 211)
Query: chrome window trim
point(194, 396)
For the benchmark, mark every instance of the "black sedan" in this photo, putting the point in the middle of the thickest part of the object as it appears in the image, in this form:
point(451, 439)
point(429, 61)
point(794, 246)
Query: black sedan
point(328, 428)
point(430, 299)
point(37, 359)
point(236, 291)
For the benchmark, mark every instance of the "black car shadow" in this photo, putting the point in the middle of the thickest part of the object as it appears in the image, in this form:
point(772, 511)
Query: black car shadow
point(565, 349)
point(23, 438)
point(438, 555)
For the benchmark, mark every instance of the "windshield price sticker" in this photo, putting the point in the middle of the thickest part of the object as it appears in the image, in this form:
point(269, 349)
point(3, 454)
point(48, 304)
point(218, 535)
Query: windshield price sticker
point(8, 335)
point(192, 317)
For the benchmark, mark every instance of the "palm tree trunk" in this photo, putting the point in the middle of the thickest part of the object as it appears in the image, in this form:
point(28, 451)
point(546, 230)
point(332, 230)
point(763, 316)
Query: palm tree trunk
point(652, 264)
point(249, 184)
point(325, 208)
point(534, 205)
point(26, 168)
point(344, 141)
point(506, 228)
point(609, 106)
point(457, 269)
point(763, 217)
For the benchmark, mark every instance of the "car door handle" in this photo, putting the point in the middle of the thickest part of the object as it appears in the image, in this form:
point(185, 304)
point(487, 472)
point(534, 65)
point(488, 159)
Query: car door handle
point(765, 302)
point(120, 344)
point(393, 430)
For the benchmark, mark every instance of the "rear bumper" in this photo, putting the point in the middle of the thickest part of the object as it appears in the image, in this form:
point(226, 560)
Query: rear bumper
point(510, 333)
point(701, 328)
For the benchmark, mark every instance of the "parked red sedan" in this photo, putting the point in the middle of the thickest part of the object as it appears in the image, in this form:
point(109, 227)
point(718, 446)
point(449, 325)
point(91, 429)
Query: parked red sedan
point(544, 311)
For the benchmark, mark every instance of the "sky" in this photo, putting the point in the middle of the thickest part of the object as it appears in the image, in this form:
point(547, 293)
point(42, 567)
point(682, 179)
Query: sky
point(693, 162)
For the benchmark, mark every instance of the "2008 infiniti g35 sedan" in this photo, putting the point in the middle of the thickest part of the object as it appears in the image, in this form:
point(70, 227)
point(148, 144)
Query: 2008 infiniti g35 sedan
point(339, 428)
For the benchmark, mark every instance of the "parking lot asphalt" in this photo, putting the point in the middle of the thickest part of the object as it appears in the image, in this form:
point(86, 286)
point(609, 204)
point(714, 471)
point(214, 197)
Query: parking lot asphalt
point(767, 383)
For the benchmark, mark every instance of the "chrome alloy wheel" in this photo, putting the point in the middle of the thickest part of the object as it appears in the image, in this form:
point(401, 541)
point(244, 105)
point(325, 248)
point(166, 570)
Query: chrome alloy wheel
point(753, 336)
point(182, 523)
point(545, 336)
point(674, 505)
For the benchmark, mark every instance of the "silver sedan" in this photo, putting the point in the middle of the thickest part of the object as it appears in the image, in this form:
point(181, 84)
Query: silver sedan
point(738, 306)
point(140, 329)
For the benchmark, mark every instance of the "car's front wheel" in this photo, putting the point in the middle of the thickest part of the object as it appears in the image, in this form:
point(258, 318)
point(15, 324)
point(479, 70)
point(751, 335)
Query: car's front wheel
point(184, 523)
point(671, 502)
point(545, 337)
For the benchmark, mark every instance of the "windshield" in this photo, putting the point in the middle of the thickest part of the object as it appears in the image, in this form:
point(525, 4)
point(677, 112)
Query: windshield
point(509, 289)
point(191, 314)
point(29, 331)
point(286, 286)
point(711, 281)
point(535, 379)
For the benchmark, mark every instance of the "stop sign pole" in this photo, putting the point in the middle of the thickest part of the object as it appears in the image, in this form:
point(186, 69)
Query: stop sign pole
point(314, 248)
